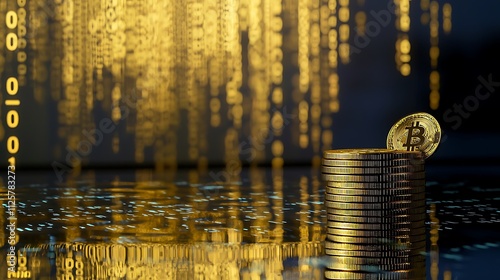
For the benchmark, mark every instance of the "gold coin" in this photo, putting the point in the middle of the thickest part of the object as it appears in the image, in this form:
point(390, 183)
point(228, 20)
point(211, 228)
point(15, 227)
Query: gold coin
point(373, 240)
point(357, 275)
point(405, 247)
point(372, 254)
point(374, 178)
point(372, 163)
point(376, 212)
point(370, 154)
point(392, 206)
point(403, 265)
point(331, 259)
point(370, 192)
point(372, 220)
point(373, 199)
point(372, 170)
point(415, 132)
point(410, 245)
point(375, 232)
point(404, 225)
point(416, 184)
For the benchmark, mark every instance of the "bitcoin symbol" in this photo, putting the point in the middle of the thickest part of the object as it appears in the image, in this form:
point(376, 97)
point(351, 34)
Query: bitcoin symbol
point(422, 132)
point(414, 131)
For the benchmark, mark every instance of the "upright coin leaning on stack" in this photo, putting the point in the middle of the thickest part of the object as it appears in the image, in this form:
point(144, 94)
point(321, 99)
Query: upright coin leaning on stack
point(375, 203)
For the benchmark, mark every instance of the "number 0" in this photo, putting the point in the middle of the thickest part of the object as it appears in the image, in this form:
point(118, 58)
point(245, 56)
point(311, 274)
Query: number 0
point(12, 119)
point(13, 145)
point(11, 41)
point(12, 86)
point(11, 19)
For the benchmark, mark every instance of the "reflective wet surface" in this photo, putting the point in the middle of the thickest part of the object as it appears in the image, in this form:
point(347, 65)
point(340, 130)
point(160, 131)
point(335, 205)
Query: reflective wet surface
point(261, 224)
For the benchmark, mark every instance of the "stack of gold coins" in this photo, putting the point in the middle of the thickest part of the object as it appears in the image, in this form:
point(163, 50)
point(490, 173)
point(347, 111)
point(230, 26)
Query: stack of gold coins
point(375, 204)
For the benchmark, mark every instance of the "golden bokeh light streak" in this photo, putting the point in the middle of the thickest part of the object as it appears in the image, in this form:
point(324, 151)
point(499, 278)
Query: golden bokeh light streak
point(434, 76)
point(403, 44)
point(303, 57)
point(324, 72)
point(360, 18)
point(38, 39)
point(213, 29)
point(276, 77)
point(424, 6)
point(259, 78)
point(430, 17)
point(315, 83)
point(329, 75)
point(193, 23)
point(333, 56)
point(303, 49)
point(167, 151)
point(447, 24)
point(344, 15)
point(234, 97)
point(22, 42)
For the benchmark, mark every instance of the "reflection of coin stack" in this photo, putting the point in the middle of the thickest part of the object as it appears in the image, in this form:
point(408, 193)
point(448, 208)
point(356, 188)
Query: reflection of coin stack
point(375, 201)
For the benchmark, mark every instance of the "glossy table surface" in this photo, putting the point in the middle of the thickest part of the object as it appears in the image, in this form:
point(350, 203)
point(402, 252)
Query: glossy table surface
point(257, 224)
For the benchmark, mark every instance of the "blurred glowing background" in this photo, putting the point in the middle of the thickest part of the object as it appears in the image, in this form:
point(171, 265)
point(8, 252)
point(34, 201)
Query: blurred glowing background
point(168, 83)
point(194, 83)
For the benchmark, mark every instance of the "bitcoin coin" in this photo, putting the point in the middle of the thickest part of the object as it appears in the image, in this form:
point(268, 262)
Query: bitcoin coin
point(382, 228)
point(370, 254)
point(374, 226)
point(415, 243)
point(378, 185)
point(415, 132)
point(376, 213)
point(372, 220)
point(370, 233)
point(371, 170)
point(367, 247)
point(374, 178)
point(372, 192)
point(359, 275)
point(370, 154)
point(370, 199)
point(393, 206)
point(374, 240)
point(403, 265)
point(373, 163)
point(333, 259)
point(414, 248)
point(416, 198)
